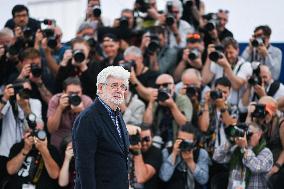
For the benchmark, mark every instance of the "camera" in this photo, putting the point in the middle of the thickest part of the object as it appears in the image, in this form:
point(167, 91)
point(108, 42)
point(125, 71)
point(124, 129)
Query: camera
point(255, 78)
point(191, 91)
point(238, 130)
point(128, 65)
point(79, 56)
point(212, 21)
point(154, 44)
point(170, 19)
point(51, 38)
point(142, 5)
point(214, 95)
point(36, 70)
point(217, 54)
point(193, 54)
point(31, 120)
point(163, 94)
point(186, 145)
point(123, 22)
point(97, 11)
point(259, 111)
point(134, 139)
point(74, 99)
point(17, 47)
point(28, 33)
point(257, 42)
point(19, 89)
point(90, 40)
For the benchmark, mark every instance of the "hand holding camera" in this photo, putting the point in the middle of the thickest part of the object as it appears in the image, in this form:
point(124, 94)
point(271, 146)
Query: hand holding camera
point(29, 142)
point(69, 153)
point(8, 92)
point(66, 57)
point(41, 145)
point(25, 72)
point(176, 147)
point(63, 101)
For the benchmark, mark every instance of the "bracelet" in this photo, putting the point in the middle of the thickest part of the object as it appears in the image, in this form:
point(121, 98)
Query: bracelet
point(277, 165)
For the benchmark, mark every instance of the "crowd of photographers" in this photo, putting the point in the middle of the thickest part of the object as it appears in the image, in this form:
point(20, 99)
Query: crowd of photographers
point(198, 114)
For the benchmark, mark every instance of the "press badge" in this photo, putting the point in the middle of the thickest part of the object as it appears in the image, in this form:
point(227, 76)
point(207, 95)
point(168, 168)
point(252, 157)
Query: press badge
point(238, 184)
point(28, 186)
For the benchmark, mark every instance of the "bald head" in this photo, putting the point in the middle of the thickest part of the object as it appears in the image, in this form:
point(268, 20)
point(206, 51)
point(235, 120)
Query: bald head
point(265, 75)
point(165, 78)
point(191, 77)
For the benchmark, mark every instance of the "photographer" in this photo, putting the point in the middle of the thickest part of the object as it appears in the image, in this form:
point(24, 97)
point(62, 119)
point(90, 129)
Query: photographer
point(63, 109)
point(176, 28)
point(15, 105)
point(265, 113)
point(8, 60)
point(215, 114)
point(260, 49)
point(93, 14)
point(214, 28)
point(21, 21)
point(167, 110)
point(192, 11)
point(185, 165)
point(146, 159)
point(192, 56)
point(227, 64)
point(158, 56)
point(265, 87)
point(76, 63)
point(250, 159)
point(33, 162)
point(141, 77)
point(191, 85)
point(48, 42)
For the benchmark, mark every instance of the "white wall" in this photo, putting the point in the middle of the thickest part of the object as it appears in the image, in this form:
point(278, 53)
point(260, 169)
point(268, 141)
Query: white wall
point(244, 14)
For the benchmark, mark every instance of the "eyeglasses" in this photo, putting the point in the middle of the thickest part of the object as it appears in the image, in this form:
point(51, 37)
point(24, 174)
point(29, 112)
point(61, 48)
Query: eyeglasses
point(164, 85)
point(223, 11)
point(115, 86)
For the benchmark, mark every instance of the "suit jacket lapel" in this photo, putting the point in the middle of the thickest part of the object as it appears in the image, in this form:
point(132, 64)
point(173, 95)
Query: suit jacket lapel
point(125, 132)
point(109, 124)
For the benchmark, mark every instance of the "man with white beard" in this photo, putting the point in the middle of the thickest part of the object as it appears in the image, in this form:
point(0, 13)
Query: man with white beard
point(99, 135)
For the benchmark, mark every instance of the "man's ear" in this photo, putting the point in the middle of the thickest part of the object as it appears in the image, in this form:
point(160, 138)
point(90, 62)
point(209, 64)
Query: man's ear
point(100, 88)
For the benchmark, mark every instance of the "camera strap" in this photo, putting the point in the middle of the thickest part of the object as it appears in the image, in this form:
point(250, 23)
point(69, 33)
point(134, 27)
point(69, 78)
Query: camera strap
point(38, 171)
point(273, 88)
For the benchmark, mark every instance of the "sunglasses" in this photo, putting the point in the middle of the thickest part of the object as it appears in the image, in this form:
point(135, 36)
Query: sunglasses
point(164, 85)
point(223, 11)
point(193, 37)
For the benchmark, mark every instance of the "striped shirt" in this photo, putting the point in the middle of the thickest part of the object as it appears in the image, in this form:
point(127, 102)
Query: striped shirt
point(113, 115)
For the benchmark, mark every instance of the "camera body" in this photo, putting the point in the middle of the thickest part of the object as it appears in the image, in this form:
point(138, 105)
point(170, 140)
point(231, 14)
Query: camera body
point(97, 11)
point(238, 130)
point(254, 80)
point(74, 99)
point(212, 21)
point(186, 145)
point(19, 89)
point(214, 95)
point(142, 5)
point(259, 111)
point(128, 65)
point(154, 44)
point(191, 91)
point(257, 42)
point(36, 70)
point(163, 94)
point(135, 139)
point(31, 120)
point(217, 54)
point(79, 56)
point(193, 54)
point(51, 38)
point(123, 22)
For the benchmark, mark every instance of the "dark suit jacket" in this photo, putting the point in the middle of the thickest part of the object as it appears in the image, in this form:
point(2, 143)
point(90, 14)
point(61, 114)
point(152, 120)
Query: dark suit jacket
point(100, 154)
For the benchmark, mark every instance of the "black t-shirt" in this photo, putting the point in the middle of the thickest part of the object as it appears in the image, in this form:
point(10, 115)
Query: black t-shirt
point(154, 158)
point(148, 78)
point(33, 24)
point(23, 176)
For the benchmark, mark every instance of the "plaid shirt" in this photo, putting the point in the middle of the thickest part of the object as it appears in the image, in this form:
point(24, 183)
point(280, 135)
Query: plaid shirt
point(113, 115)
point(259, 165)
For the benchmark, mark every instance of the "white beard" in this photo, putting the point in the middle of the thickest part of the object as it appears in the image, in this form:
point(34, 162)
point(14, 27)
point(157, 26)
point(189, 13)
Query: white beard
point(110, 98)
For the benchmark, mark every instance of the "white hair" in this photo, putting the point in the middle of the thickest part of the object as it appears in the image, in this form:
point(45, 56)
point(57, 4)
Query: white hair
point(178, 5)
point(6, 32)
point(113, 71)
point(133, 50)
point(192, 71)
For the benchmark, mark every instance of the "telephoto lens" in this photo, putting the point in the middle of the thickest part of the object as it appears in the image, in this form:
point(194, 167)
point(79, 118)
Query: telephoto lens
point(78, 56)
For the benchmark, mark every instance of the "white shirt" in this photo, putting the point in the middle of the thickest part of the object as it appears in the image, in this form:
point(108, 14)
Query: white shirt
point(242, 70)
point(12, 130)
